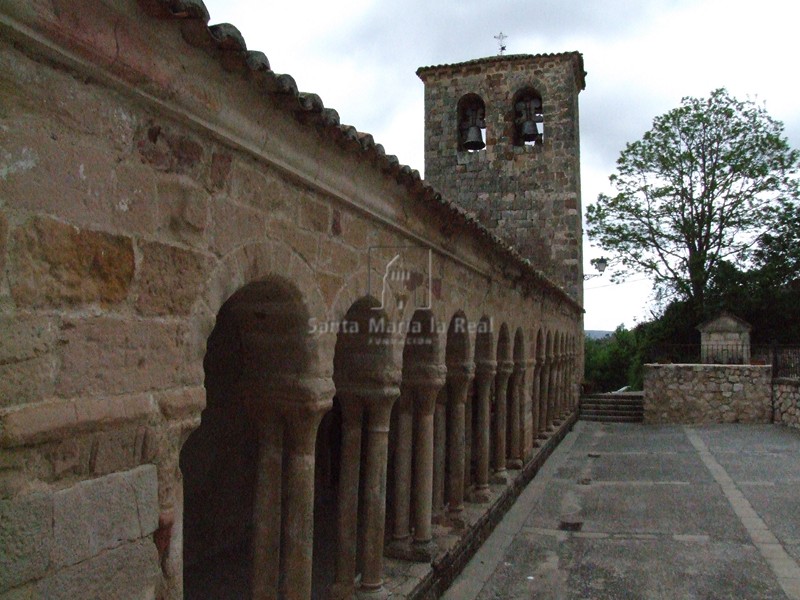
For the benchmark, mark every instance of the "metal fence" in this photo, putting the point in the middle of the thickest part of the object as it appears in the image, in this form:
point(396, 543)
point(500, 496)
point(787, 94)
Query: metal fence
point(785, 359)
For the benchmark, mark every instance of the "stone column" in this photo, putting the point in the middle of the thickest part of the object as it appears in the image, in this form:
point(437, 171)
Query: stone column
point(468, 439)
point(558, 368)
point(484, 374)
point(379, 410)
point(298, 520)
point(573, 385)
point(515, 442)
point(535, 398)
point(402, 469)
point(552, 393)
point(349, 472)
point(504, 370)
point(440, 450)
point(427, 388)
point(565, 387)
point(527, 412)
point(267, 509)
point(544, 399)
point(458, 380)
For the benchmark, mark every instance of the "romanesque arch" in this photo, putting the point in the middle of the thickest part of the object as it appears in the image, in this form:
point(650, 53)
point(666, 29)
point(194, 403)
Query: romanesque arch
point(423, 376)
point(471, 114)
point(352, 499)
point(249, 468)
point(528, 117)
point(458, 359)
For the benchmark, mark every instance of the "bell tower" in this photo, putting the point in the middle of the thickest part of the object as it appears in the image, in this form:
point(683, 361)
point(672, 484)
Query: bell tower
point(502, 140)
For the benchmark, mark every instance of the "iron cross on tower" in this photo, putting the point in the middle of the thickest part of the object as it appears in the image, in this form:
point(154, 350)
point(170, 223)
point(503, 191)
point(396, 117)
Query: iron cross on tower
point(501, 38)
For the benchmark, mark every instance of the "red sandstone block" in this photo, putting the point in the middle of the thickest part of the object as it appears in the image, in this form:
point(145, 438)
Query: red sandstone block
point(169, 279)
point(183, 402)
point(54, 264)
point(108, 356)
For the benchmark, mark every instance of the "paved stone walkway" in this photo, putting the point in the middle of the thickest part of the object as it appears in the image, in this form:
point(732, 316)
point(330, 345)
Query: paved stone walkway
point(636, 511)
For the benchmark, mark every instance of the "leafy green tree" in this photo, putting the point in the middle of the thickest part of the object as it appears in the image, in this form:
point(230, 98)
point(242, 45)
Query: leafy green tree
point(610, 362)
point(702, 186)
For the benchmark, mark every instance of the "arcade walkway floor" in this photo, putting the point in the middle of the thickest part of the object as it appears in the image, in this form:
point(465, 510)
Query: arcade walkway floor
point(637, 511)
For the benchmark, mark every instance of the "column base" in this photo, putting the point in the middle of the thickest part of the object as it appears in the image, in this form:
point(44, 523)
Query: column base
point(375, 593)
point(412, 550)
point(341, 591)
point(456, 520)
point(424, 551)
point(440, 517)
point(542, 435)
point(514, 463)
point(480, 495)
point(499, 477)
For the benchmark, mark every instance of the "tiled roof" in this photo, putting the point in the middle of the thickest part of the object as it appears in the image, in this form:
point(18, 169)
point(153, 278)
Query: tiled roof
point(308, 109)
point(576, 57)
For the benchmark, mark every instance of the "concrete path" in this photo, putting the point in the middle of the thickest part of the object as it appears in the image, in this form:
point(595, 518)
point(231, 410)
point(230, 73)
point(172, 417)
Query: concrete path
point(636, 511)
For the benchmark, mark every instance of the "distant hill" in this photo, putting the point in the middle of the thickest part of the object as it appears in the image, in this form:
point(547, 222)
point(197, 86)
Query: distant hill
point(597, 334)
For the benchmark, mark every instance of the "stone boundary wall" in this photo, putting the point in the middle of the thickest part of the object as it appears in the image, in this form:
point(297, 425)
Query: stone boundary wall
point(786, 394)
point(700, 394)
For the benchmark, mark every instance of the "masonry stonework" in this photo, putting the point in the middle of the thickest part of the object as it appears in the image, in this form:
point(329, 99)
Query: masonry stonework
point(202, 390)
point(529, 194)
point(787, 401)
point(700, 394)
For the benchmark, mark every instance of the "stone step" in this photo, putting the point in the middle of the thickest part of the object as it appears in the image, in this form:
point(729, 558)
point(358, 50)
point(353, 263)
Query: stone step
point(613, 404)
point(610, 419)
point(606, 400)
point(612, 409)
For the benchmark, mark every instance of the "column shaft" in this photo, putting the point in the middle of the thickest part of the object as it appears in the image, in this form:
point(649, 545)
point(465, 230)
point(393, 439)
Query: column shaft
point(457, 389)
point(440, 450)
point(535, 408)
point(501, 393)
point(379, 413)
point(347, 521)
point(402, 468)
point(267, 511)
point(514, 429)
point(551, 395)
point(544, 399)
point(423, 467)
point(298, 493)
point(483, 380)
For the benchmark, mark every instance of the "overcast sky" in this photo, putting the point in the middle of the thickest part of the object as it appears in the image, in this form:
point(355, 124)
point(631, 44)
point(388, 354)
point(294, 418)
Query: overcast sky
point(641, 56)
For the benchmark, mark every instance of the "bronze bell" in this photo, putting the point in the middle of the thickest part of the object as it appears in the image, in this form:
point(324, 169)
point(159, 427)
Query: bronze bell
point(474, 139)
point(529, 131)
